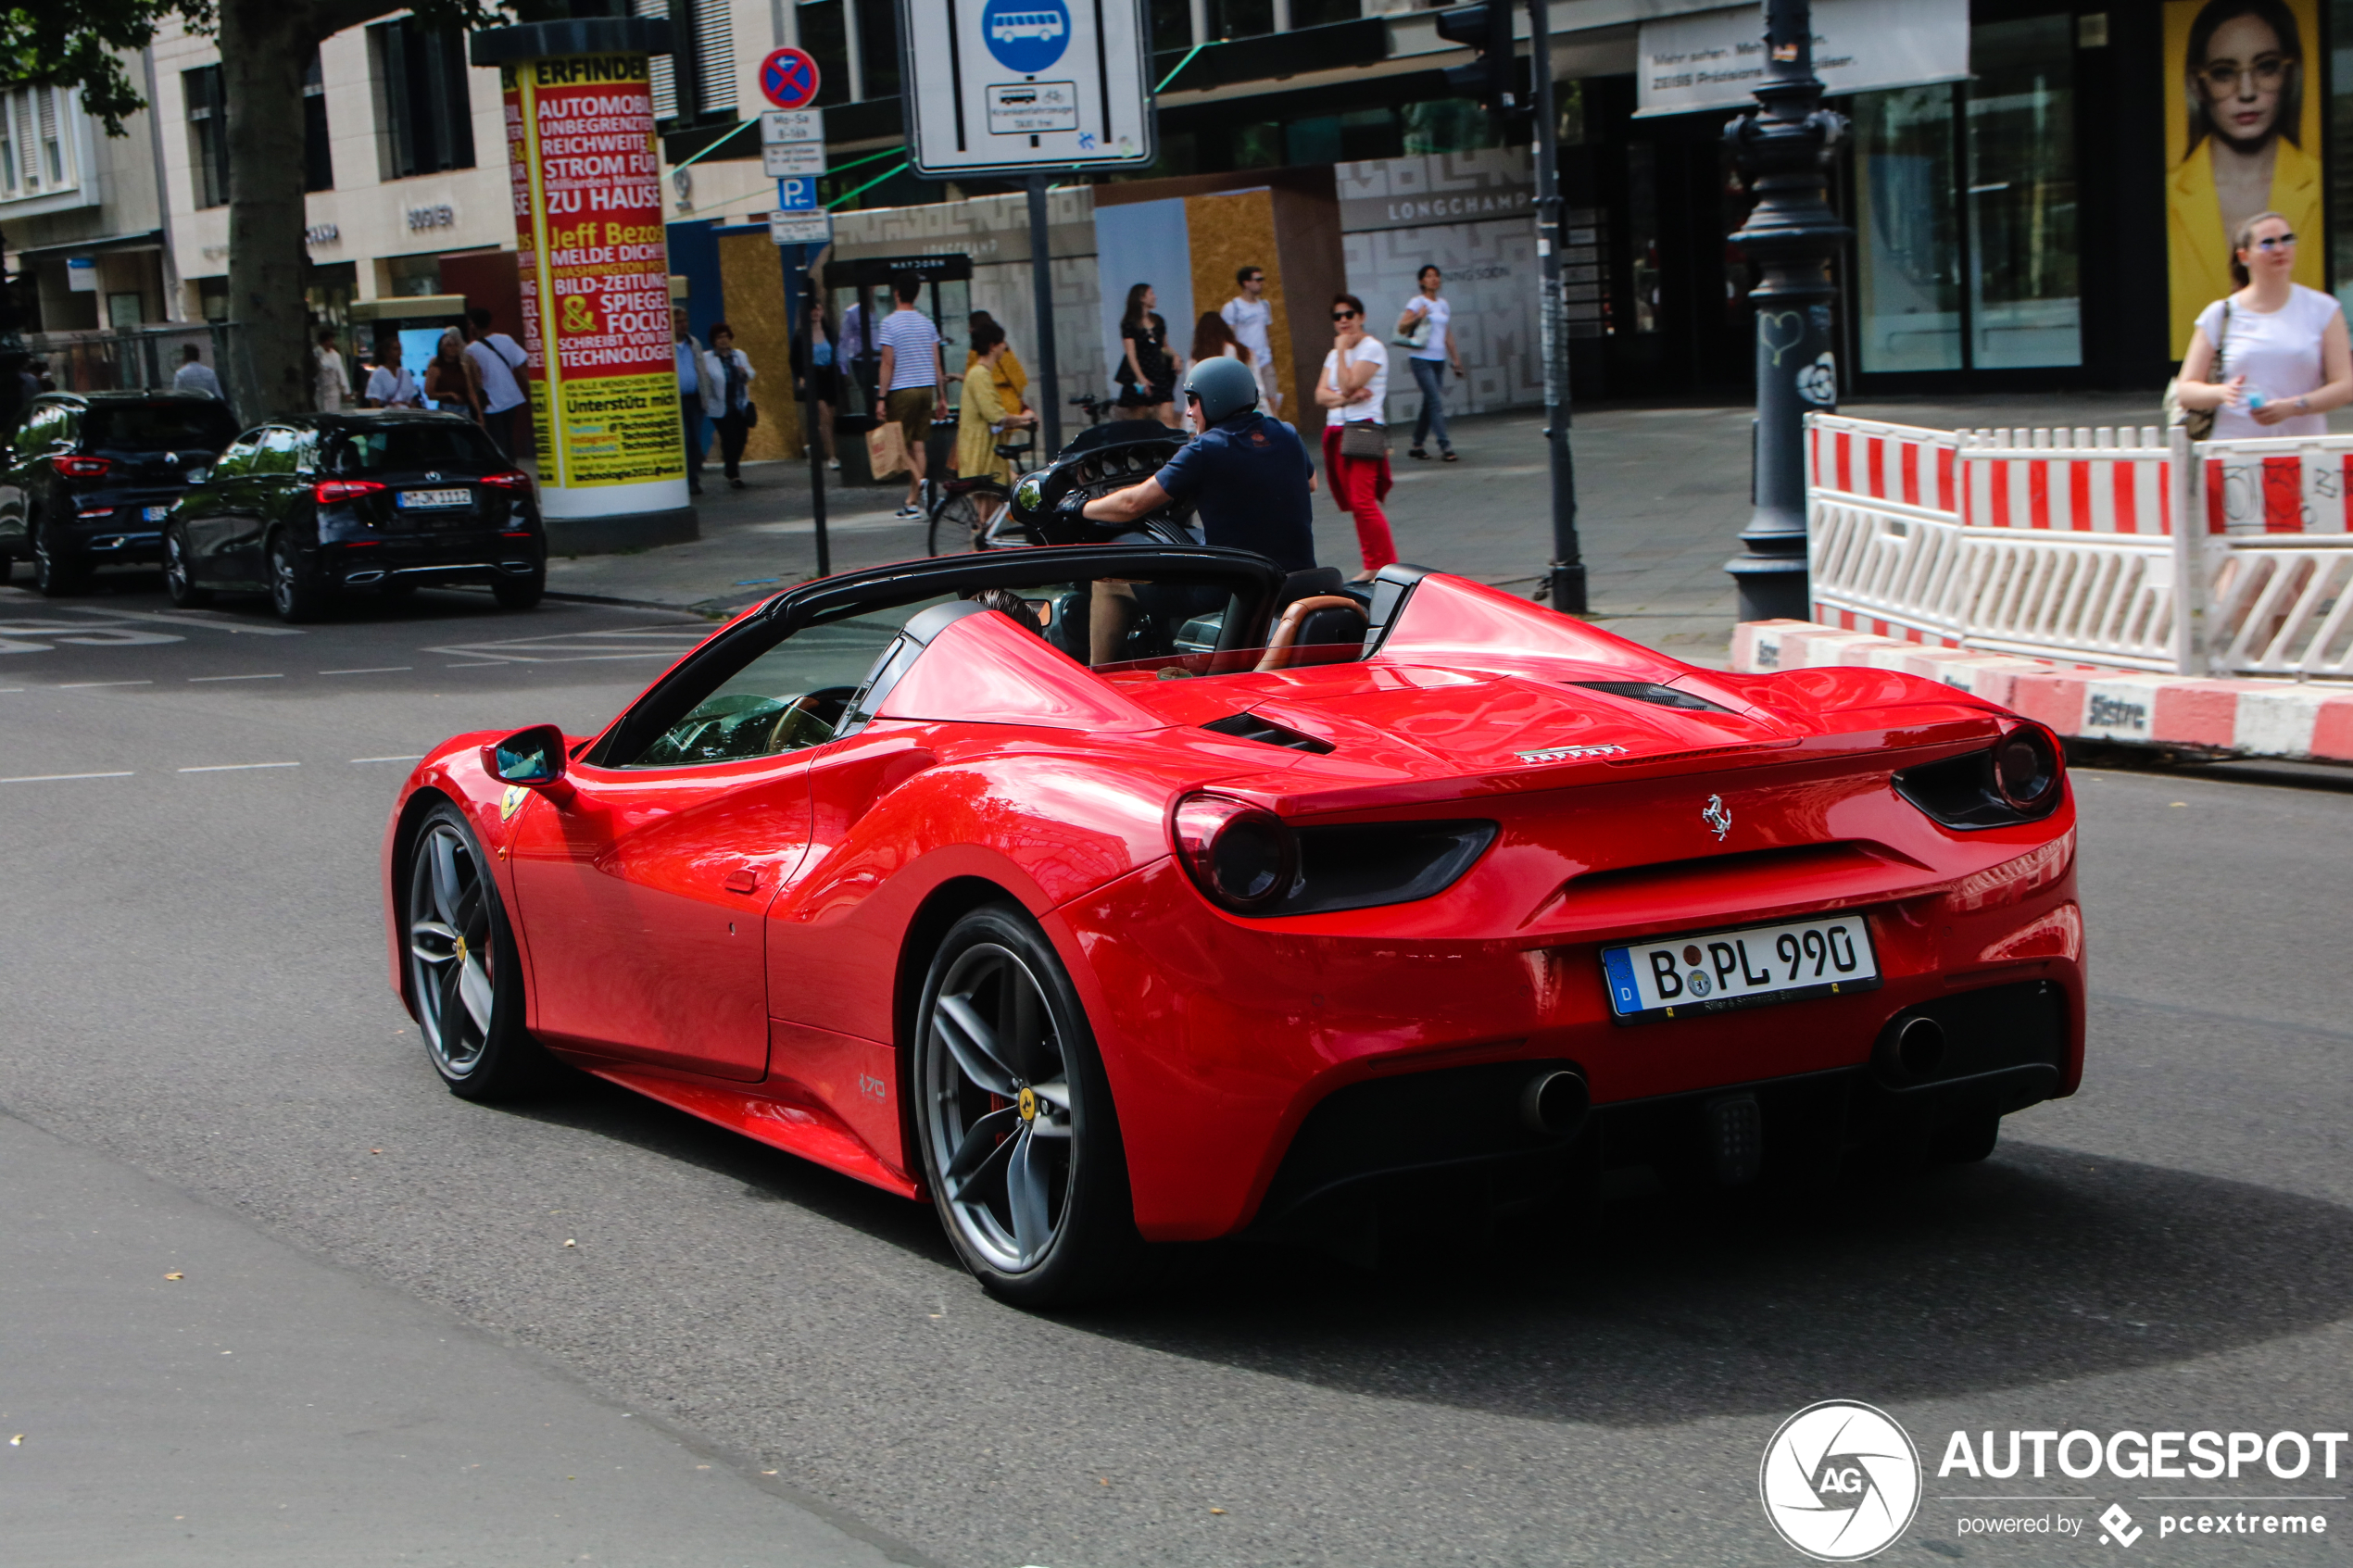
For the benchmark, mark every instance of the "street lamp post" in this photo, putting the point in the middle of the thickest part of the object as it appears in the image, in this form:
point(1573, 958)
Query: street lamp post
point(1784, 145)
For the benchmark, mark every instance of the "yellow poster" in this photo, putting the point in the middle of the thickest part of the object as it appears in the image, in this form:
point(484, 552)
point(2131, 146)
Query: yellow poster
point(2242, 137)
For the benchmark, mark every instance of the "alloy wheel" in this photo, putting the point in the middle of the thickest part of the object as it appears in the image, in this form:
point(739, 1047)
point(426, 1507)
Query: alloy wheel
point(285, 591)
point(450, 949)
point(999, 1102)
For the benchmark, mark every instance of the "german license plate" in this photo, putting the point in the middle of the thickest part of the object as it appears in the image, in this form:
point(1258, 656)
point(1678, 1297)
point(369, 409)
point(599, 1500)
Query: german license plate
point(424, 498)
point(1754, 966)
point(155, 514)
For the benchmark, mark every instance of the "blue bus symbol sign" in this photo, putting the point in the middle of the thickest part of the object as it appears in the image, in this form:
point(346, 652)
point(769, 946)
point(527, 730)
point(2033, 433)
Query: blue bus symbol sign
point(1025, 35)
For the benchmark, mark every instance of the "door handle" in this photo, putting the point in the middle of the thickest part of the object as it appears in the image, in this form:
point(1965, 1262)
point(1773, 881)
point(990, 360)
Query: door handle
point(742, 882)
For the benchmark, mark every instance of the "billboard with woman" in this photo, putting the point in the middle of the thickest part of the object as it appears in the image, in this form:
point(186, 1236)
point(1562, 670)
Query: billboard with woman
point(2242, 136)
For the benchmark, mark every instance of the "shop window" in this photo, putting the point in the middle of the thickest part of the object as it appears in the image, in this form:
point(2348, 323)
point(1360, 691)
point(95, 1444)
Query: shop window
point(1642, 231)
point(212, 298)
point(1240, 18)
point(409, 276)
point(1453, 125)
point(425, 116)
point(1967, 254)
point(1172, 26)
point(878, 46)
point(1316, 13)
point(207, 134)
point(318, 158)
point(125, 309)
point(1907, 251)
point(1258, 146)
point(823, 34)
point(2024, 308)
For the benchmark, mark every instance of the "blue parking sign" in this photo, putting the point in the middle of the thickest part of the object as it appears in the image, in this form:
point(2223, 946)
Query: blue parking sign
point(797, 192)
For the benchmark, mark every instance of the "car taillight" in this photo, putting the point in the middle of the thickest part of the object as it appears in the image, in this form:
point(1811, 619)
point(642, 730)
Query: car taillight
point(514, 479)
point(82, 467)
point(329, 491)
point(1244, 856)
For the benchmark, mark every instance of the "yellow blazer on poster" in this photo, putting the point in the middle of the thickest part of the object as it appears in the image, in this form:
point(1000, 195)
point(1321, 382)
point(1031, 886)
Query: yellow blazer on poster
point(2200, 252)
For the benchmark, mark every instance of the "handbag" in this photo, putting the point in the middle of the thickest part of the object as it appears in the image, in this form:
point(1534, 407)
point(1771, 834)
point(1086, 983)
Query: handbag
point(1364, 438)
point(1418, 337)
point(2199, 422)
point(751, 415)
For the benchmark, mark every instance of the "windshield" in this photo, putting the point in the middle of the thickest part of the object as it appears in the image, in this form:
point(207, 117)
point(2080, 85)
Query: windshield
point(135, 428)
point(401, 447)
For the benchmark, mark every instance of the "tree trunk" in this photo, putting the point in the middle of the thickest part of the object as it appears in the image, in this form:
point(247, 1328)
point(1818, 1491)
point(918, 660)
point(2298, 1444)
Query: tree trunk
point(265, 51)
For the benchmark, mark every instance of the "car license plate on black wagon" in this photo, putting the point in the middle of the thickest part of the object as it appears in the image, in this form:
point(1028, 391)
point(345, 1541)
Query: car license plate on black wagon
point(1754, 966)
point(420, 499)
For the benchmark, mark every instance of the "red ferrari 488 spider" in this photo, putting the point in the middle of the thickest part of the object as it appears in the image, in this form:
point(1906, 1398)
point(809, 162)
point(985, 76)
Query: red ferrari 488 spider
point(1122, 894)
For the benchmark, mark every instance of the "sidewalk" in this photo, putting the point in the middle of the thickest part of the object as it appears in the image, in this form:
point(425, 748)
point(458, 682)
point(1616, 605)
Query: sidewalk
point(1663, 495)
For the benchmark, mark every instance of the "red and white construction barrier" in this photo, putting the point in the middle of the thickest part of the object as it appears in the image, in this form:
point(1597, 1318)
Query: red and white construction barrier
point(2298, 721)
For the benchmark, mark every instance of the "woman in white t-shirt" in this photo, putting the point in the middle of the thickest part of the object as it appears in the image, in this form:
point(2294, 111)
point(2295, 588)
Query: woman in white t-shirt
point(1353, 390)
point(1429, 360)
point(2285, 358)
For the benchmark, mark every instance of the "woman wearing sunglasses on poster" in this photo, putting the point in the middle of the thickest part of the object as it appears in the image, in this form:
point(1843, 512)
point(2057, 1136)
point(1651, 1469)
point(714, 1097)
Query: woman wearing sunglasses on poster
point(2284, 356)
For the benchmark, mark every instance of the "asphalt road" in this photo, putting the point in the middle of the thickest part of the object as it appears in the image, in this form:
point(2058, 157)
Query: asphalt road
point(192, 990)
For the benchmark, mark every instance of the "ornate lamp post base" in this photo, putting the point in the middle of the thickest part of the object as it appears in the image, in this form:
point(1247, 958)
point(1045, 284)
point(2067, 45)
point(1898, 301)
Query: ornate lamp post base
point(1784, 146)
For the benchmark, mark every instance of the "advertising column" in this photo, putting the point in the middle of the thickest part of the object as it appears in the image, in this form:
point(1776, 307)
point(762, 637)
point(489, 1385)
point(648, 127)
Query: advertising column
point(585, 176)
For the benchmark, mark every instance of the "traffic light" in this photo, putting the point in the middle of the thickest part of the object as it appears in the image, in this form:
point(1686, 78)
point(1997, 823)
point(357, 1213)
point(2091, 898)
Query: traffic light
point(1494, 77)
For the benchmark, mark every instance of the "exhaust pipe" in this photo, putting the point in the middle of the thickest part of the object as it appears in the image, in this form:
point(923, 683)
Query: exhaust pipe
point(1554, 1102)
point(1912, 1051)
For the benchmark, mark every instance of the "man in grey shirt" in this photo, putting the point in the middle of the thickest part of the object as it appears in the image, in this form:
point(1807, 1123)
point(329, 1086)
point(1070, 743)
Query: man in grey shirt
point(194, 375)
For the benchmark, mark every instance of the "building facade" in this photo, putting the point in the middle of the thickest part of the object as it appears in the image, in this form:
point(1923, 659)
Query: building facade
point(2040, 194)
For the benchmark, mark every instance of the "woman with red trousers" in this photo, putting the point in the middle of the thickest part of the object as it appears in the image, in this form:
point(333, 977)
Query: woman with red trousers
point(1353, 390)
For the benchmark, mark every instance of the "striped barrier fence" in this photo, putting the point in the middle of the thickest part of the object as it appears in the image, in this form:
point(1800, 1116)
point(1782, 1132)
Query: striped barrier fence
point(2061, 545)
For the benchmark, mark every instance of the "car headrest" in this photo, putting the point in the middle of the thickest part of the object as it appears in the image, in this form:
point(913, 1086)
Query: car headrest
point(1306, 585)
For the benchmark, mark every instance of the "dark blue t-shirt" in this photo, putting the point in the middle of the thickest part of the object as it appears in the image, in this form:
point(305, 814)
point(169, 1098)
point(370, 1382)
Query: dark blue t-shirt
point(1247, 479)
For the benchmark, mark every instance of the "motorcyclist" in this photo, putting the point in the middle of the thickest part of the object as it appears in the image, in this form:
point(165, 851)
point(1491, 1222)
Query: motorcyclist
point(1246, 475)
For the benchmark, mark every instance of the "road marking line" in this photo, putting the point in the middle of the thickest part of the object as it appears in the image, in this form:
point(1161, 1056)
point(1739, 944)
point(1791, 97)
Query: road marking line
point(479, 664)
point(194, 679)
point(373, 670)
point(50, 778)
point(183, 618)
point(237, 767)
point(85, 685)
point(418, 758)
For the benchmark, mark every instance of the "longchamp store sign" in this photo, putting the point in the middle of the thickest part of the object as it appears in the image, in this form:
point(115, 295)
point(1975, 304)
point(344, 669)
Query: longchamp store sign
point(1713, 60)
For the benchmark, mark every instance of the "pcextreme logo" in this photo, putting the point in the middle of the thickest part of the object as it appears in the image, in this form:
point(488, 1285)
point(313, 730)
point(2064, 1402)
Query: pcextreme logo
point(1840, 1480)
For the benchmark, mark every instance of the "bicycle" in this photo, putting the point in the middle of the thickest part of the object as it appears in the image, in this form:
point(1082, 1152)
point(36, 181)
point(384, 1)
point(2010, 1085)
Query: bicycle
point(1092, 406)
point(977, 513)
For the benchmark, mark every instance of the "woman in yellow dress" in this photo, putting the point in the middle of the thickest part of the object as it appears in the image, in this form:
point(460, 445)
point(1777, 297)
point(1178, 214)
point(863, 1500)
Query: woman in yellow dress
point(2242, 84)
point(985, 416)
point(1013, 382)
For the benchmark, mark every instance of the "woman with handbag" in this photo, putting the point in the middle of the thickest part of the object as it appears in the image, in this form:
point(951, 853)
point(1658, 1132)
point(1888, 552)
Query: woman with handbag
point(729, 372)
point(1425, 331)
point(2273, 358)
point(1353, 391)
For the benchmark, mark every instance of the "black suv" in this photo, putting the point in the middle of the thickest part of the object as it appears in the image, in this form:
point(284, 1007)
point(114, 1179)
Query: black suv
point(311, 508)
point(90, 476)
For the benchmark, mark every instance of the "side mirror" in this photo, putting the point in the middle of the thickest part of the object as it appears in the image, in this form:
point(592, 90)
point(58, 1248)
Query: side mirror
point(533, 757)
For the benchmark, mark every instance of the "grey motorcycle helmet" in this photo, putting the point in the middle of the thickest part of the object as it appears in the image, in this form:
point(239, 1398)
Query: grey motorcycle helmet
point(1224, 386)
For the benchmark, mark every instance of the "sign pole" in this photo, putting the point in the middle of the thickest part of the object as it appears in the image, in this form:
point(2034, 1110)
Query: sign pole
point(1565, 579)
point(812, 300)
point(1041, 279)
